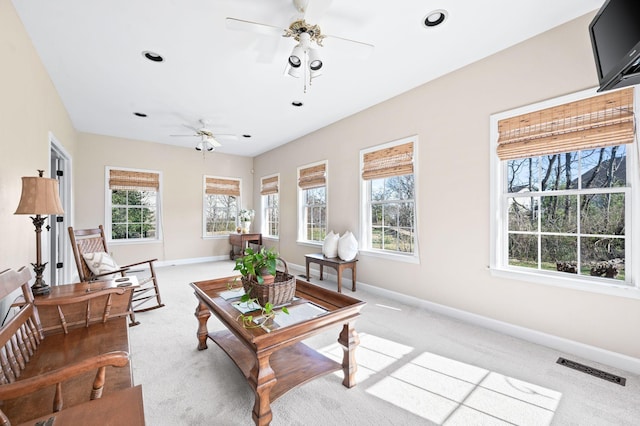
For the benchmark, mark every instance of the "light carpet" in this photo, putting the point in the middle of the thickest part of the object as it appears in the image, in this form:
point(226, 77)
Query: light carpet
point(414, 368)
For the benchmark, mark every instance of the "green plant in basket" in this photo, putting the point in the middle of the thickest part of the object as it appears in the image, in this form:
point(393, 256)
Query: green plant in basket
point(257, 263)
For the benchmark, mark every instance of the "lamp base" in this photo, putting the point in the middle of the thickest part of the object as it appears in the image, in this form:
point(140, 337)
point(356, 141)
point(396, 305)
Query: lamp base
point(40, 289)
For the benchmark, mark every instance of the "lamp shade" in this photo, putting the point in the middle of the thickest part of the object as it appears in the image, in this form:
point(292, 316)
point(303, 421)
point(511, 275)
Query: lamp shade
point(39, 196)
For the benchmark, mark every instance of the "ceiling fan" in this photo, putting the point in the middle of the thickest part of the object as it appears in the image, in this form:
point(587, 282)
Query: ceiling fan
point(207, 141)
point(304, 56)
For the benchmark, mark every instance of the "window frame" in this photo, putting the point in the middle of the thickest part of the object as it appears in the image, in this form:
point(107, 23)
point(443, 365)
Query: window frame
point(365, 207)
point(498, 261)
point(204, 206)
point(302, 230)
point(108, 208)
point(264, 204)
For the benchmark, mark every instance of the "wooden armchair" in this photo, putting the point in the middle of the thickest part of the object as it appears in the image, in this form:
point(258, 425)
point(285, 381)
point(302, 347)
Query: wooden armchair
point(84, 241)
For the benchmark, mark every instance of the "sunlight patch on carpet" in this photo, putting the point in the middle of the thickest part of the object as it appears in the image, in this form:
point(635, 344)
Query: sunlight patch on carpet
point(373, 355)
point(450, 392)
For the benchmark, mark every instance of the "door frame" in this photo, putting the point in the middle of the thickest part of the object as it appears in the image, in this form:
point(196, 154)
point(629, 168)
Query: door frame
point(57, 150)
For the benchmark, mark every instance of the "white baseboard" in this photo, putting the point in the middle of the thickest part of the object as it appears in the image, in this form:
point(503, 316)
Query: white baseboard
point(603, 356)
point(192, 260)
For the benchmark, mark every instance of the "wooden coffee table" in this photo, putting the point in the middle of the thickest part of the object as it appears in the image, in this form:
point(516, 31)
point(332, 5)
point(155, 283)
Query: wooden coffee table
point(273, 359)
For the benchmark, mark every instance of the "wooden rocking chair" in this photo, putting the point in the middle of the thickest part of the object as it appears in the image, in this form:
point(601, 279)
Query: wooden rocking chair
point(86, 241)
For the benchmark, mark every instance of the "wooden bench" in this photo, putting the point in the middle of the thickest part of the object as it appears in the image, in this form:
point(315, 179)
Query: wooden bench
point(43, 373)
point(336, 263)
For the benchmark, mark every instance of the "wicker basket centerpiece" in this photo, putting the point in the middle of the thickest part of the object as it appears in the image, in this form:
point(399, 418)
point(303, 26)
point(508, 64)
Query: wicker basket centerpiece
point(262, 281)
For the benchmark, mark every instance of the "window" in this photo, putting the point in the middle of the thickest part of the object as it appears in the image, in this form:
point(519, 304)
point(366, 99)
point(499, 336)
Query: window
point(565, 176)
point(388, 198)
point(269, 187)
point(312, 198)
point(221, 197)
point(132, 205)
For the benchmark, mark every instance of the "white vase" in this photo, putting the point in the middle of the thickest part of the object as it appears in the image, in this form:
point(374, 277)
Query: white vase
point(246, 227)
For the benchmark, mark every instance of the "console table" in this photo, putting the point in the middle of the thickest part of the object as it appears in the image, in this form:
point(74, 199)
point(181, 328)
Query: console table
point(336, 263)
point(242, 241)
point(271, 355)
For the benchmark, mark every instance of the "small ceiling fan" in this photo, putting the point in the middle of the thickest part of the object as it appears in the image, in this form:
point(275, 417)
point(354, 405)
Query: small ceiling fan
point(207, 141)
point(305, 34)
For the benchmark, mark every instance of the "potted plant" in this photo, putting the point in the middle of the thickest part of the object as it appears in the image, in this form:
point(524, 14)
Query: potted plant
point(258, 265)
point(263, 283)
point(261, 280)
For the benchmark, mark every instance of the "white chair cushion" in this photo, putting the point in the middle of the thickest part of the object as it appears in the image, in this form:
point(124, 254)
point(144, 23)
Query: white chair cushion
point(100, 263)
point(347, 246)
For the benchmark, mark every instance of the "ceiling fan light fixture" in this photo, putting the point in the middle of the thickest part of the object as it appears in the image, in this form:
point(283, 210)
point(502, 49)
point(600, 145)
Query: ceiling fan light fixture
point(294, 72)
point(315, 63)
point(295, 59)
point(200, 146)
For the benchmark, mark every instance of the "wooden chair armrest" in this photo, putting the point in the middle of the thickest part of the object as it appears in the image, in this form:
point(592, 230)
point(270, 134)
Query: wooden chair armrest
point(140, 263)
point(66, 300)
point(32, 384)
point(121, 271)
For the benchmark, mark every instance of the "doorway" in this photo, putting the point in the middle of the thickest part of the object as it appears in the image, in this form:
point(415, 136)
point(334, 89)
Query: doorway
point(61, 261)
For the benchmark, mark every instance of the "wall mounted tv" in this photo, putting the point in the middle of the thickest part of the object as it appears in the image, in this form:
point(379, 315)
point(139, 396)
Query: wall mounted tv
point(615, 38)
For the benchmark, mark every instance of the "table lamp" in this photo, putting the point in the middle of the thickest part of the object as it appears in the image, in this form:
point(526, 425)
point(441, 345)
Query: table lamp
point(39, 197)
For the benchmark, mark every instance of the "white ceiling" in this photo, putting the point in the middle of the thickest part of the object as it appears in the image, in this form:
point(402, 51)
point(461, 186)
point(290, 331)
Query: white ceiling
point(235, 80)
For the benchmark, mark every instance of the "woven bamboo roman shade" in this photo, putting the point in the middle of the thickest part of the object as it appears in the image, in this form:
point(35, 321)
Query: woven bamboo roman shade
point(135, 181)
point(219, 186)
point(269, 185)
point(596, 122)
point(313, 177)
point(394, 161)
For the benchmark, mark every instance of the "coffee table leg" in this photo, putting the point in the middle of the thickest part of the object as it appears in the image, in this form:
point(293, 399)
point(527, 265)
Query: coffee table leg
point(349, 340)
point(262, 378)
point(203, 314)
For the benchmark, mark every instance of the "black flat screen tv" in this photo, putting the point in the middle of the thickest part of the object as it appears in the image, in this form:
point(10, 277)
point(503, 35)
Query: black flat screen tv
point(615, 38)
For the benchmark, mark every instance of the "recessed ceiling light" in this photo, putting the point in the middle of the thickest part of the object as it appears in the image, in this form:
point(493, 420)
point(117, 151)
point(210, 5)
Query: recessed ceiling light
point(152, 56)
point(246, 136)
point(297, 103)
point(139, 114)
point(435, 18)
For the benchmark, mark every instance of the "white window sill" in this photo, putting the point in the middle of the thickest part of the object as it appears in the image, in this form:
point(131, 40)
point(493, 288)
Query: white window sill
point(407, 258)
point(585, 284)
point(314, 244)
point(215, 237)
point(129, 242)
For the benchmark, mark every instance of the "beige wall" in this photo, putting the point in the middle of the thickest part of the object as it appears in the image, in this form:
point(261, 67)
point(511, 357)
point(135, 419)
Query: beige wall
point(451, 118)
point(182, 172)
point(29, 109)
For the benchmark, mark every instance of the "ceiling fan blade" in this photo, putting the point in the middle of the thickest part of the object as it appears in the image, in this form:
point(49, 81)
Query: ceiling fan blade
point(214, 142)
point(226, 136)
point(314, 10)
point(190, 127)
point(255, 27)
point(358, 48)
point(190, 136)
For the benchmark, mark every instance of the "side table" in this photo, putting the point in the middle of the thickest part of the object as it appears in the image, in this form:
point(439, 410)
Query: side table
point(242, 241)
